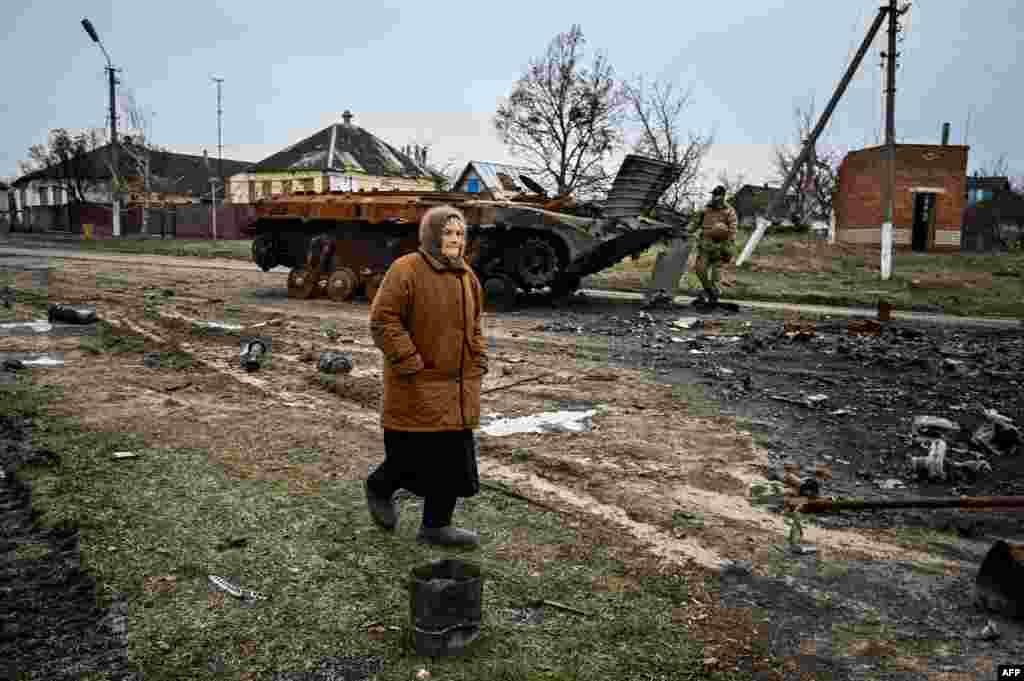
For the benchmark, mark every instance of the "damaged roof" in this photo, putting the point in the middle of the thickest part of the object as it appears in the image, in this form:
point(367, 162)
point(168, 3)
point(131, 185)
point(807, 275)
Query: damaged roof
point(344, 147)
point(496, 177)
point(170, 172)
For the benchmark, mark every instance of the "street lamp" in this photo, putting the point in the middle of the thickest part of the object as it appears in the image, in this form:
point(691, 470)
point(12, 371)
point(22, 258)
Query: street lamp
point(87, 25)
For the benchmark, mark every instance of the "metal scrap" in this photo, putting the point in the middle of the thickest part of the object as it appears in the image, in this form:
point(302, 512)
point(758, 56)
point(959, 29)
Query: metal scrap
point(863, 327)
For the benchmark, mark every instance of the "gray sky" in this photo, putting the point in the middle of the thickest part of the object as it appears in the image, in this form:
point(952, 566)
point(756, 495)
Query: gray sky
point(415, 72)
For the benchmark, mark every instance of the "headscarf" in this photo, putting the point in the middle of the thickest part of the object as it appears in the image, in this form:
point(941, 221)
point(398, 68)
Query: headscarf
point(431, 227)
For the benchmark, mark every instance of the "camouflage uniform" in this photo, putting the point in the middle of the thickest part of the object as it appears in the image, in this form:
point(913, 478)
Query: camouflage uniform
point(712, 254)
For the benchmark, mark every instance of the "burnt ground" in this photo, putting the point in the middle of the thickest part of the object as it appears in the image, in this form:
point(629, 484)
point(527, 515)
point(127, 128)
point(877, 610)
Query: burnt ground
point(52, 623)
point(840, 621)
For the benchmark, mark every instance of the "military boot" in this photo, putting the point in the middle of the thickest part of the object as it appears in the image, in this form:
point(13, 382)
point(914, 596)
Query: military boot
point(447, 536)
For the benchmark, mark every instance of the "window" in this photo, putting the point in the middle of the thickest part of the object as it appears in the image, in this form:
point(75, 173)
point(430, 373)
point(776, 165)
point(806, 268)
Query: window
point(307, 185)
point(287, 186)
point(23, 198)
point(265, 191)
point(44, 196)
point(252, 191)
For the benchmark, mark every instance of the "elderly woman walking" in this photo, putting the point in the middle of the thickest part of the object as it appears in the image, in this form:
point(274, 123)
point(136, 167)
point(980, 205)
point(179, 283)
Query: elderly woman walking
point(425, 319)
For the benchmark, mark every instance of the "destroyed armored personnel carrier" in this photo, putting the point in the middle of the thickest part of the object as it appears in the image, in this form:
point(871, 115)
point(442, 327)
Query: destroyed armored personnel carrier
point(341, 243)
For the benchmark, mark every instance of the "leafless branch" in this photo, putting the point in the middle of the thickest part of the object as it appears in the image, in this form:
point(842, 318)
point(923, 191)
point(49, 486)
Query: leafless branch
point(563, 118)
point(656, 110)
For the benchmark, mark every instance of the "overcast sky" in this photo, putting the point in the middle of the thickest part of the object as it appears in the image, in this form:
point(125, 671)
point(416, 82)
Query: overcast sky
point(433, 72)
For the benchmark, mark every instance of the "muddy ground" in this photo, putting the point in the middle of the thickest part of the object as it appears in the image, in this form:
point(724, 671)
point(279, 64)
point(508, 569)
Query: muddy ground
point(687, 421)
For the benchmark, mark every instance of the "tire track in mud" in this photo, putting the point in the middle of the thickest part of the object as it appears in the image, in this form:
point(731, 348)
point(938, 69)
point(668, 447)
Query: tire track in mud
point(729, 514)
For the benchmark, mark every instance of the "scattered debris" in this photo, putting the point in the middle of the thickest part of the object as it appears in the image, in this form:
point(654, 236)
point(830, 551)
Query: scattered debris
point(933, 426)
point(686, 322)
point(990, 632)
point(422, 675)
point(151, 360)
point(13, 365)
point(332, 362)
point(840, 412)
point(799, 330)
point(815, 399)
point(124, 455)
point(25, 328)
point(547, 422)
point(222, 584)
point(69, 314)
point(933, 465)
point(252, 353)
point(891, 484)
point(804, 549)
point(863, 327)
point(999, 436)
point(560, 606)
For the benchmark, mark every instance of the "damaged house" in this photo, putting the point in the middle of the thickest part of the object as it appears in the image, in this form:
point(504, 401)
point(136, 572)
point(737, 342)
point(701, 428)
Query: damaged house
point(491, 180)
point(341, 157)
point(929, 200)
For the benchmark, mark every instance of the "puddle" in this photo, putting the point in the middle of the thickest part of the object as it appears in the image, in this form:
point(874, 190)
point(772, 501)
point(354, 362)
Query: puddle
point(546, 422)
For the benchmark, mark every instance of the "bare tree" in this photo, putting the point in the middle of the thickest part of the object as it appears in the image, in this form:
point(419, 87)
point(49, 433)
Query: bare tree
point(656, 109)
point(996, 167)
point(73, 167)
point(564, 118)
point(138, 149)
point(817, 180)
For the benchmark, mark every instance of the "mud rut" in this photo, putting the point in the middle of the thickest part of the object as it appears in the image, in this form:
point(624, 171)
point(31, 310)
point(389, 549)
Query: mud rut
point(644, 463)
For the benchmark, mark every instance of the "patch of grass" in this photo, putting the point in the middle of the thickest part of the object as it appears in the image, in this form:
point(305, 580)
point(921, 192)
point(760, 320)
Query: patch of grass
point(832, 570)
point(824, 600)
point(781, 562)
point(329, 572)
point(929, 567)
point(111, 280)
point(107, 339)
point(696, 400)
point(31, 551)
point(237, 249)
point(329, 328)
point(687, 520)
point(177, 359)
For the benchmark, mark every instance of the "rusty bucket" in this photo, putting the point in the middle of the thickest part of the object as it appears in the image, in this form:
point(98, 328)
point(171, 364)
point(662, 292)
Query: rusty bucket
point(999, 585)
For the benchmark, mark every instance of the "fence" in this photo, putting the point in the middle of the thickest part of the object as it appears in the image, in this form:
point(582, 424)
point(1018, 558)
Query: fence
point(182, 222)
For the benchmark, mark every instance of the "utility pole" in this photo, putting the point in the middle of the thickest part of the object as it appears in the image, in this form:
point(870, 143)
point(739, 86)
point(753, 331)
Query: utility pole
point(748, 248)
point(220, 147)
point(87, 25)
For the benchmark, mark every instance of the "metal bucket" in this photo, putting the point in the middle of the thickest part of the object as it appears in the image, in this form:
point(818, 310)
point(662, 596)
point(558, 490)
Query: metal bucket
point(446, 607)
point(999, 586)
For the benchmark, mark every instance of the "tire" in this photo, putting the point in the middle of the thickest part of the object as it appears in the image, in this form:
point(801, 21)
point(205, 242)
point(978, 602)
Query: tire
point(537, 262)
point(264, 252)
point(499, 293)
point(565, 285)
point(301, 283)
point(341, 284)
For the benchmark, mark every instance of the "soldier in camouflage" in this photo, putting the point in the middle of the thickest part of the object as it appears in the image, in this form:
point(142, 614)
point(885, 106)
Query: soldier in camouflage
point(715, 229)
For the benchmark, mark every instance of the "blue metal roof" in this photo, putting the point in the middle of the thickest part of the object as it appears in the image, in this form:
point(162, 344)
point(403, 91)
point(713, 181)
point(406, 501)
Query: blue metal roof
point(488, 173)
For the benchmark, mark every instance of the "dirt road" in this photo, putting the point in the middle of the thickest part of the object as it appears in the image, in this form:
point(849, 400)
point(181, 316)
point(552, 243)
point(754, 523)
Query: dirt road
point(685, 421)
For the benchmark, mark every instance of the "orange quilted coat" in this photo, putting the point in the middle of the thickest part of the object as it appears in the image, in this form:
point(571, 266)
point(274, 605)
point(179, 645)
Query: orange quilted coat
point(425, 319)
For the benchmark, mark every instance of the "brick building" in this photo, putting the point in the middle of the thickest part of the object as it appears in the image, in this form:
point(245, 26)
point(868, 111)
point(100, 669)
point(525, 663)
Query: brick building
point(930, 196)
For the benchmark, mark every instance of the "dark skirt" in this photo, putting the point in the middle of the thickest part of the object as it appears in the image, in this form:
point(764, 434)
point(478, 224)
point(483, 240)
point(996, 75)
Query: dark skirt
point(441, 463)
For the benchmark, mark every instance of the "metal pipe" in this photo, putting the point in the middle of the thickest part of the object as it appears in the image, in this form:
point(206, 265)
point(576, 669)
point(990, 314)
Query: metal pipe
point(861, 504)
point(805, 154)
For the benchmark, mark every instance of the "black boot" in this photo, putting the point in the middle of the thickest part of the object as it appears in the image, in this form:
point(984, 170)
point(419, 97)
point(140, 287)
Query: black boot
point(383, 510)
